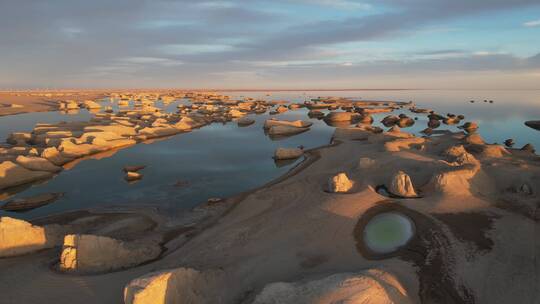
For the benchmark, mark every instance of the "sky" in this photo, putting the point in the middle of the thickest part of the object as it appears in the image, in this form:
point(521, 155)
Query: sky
point(273, 44)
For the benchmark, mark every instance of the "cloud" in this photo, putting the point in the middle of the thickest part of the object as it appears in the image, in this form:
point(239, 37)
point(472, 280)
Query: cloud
point(171, 41)
point(151, 60)
point(340, 4)
point(190, 49)
point(533, 23)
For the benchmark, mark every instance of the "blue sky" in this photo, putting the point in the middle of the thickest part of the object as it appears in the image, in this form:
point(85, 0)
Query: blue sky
point(270, 44)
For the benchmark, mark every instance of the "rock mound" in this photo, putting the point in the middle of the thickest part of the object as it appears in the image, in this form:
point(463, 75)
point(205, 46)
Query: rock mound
point(285, 153)
point(91, 253)
point(12, 174)
point(35, 163)
point(372, 286)
point(402, 186)
point(339, 183)
point(181, 285)
point(285, 130)
point(340, 116)
point(20, 237)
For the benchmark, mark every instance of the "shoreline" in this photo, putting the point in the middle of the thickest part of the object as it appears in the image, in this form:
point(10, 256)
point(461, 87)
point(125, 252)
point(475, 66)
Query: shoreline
point(296, 229)
point(22, 102)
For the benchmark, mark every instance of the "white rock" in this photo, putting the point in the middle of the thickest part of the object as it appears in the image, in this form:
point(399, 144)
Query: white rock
point(150, 132)
point(90, 104)
point(53, 155)
point(133, 176)
point(69, 149)
point(89, 136)
point(187, 123)
point(20, 237)
point(12, 175)
point(114, 128)
point(35, 163)
point(296, 124)
point(401, 185)
point(340, 183)
point(91, 253)
point(237, 114)
point(69, 105)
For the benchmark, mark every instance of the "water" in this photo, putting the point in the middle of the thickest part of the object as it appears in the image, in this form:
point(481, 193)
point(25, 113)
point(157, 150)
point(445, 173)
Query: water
point(223, 160)
point(214, 161)
point(387, 232)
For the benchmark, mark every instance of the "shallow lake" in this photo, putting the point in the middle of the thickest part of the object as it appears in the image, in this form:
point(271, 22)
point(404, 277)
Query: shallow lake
point(223, 160)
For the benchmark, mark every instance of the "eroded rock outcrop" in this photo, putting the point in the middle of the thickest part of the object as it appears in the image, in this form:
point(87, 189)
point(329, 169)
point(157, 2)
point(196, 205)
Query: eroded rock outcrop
point(453, 181)
point(269, 123)
point(404, 143)
point(91, 253)
point(288, 153)
point(372, 286)
point(35, 163)
point(91, 105)
point(20, 237)
point(341, 116)
point(339, 183)
point(12, 174)
point(181, 285)
point(285, 130)
point(402, 186)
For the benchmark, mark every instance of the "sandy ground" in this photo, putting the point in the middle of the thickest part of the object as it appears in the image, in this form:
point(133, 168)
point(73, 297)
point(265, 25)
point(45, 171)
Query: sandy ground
point(38, 102)
point(478, 243)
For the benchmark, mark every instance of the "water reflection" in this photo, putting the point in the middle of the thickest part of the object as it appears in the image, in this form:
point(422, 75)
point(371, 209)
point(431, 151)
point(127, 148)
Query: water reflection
point(223, 159)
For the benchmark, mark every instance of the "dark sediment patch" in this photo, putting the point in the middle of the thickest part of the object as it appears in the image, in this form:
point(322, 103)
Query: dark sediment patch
point(470, 227)
point(530, 211)
point(429, 249)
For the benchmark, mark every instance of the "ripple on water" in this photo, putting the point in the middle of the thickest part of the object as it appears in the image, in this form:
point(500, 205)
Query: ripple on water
point(387, 232)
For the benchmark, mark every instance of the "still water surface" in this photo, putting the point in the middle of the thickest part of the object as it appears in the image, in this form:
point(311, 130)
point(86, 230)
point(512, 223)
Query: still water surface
point(223, 160)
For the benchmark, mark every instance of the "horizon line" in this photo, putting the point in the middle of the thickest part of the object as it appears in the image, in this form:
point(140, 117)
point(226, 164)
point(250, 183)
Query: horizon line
point(253, 90)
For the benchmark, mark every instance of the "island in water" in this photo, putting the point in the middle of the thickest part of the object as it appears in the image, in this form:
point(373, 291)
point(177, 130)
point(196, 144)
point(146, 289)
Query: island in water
point(391, 203)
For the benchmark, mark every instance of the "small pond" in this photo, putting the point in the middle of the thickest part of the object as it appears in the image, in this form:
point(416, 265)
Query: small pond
point(387, 232)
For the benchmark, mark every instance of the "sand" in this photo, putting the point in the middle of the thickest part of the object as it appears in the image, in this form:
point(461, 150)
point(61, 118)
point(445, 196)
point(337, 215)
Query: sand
point(29, 102)
point(478, 244)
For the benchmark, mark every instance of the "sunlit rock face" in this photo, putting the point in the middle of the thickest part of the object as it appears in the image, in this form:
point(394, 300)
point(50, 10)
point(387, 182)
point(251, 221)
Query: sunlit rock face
point(35, 163)
point(181, 285)
point(296, 124)
point(372, 286)
point(339, 183)
point(91, 253)
point(20, 237)
point(402, 186)
point(12, 174)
